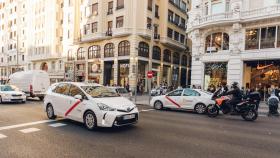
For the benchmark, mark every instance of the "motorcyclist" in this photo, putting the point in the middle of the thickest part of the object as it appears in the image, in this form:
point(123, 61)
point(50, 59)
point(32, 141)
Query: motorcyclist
point(236, 96)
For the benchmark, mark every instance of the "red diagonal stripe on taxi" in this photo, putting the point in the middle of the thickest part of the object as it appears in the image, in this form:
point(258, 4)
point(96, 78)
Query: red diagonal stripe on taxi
point(172, 101)
point(72, 107)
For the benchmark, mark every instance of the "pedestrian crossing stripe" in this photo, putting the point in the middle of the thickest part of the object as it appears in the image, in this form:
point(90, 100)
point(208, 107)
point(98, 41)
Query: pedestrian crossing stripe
point(57, 125)
point(29, 130)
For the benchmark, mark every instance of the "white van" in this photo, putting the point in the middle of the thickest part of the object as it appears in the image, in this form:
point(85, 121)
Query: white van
point(33, 83)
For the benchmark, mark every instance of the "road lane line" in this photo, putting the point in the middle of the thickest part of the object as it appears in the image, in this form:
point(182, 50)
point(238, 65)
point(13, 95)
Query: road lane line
point(29, 130)
point(147, 110)
point(2, 136)
point(26, 124)
point(57, 124)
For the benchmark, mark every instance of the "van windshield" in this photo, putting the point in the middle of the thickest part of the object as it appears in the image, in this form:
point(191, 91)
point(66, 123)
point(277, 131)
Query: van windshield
point(99, 91)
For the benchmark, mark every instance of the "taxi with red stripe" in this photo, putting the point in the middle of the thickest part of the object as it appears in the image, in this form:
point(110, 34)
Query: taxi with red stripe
point(91, 104)
point(188, 99)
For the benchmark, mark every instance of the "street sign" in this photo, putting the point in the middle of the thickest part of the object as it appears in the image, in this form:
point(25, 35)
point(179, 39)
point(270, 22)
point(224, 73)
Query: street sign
point(150, 74)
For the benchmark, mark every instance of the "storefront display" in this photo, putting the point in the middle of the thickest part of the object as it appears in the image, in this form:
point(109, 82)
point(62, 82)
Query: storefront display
point(215, 74)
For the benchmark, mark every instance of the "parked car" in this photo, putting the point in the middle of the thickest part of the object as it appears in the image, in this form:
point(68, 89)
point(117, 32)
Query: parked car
point(159, 91)
point(189, 99)
point(91, 104)
point(10, 94)
point(122, 92)
point(33, 83)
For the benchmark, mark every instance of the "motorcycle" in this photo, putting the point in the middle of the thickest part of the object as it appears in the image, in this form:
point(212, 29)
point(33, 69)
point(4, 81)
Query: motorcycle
point(246, 108)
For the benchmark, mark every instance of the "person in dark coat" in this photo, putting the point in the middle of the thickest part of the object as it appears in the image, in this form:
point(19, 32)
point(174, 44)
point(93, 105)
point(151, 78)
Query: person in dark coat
point(236, 96)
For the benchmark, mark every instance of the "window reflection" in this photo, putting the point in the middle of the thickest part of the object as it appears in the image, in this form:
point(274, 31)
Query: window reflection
point(216, 42)
point(252, 39)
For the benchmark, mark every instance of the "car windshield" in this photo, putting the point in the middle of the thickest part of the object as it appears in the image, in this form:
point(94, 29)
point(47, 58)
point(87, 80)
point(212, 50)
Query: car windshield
point(99, 91)
point(206, 92)
point(7, 88)
point(122, 90)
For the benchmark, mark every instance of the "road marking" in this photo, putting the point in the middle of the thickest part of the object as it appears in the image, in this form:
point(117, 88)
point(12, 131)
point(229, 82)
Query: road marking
point(29, 130)
point(26, 124)
point(57, 125)
point(147, 110)
point(2, 136)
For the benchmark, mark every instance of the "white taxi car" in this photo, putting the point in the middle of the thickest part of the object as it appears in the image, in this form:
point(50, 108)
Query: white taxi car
point(11, 94)
point(92, 104)
point(188, 99)
point(122, 92)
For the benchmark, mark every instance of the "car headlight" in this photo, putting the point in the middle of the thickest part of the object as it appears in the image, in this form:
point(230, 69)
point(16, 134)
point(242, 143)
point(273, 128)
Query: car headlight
point(105, 107)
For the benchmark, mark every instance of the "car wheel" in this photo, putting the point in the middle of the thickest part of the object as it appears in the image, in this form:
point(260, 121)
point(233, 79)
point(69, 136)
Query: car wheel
point(200, 108)
point(90, 120)
point(50, 112)
point(158, 105)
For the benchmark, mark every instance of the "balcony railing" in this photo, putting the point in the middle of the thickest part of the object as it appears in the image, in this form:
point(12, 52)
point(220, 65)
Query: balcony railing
point(266, 12)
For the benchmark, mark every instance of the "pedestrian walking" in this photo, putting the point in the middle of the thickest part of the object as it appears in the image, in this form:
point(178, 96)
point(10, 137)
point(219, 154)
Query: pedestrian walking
point(273, 102)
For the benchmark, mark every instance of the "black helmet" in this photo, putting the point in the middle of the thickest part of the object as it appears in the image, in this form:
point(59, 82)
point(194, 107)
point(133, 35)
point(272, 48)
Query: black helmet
point(234, 84)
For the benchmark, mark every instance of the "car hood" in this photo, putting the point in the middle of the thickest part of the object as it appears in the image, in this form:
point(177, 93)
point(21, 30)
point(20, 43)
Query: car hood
point(119, 103)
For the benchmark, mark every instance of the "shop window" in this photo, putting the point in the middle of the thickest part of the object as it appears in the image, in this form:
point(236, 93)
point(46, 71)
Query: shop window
point(268, 36)
point(216, 42)
point(156, 53)
point(167, 55)
point(176, 58)
point(70, 55)
point(109, 50)
point(252, 39)
point(81, 54)
point(124, 48)
point(94, 52)
point(143, 50)
point(215, 74)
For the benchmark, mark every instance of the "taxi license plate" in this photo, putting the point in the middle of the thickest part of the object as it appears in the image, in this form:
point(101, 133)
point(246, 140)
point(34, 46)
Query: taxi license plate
point(127, 117)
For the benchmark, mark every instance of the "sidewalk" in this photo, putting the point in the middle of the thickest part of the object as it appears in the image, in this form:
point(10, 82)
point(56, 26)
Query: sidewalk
point(144, 100)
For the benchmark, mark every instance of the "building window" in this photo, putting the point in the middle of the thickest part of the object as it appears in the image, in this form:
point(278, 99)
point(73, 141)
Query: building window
point(70, 55)
point(167, 55)
point(94, 27)
point(22, 58)
point(169, 33)
point(176, 35)
point(53, 65)
point(268, 36)
point(110, 7)
point(109, 50)
point(119, 22)
point(81, 54)
point(94, 9)
point(184, 61)
point(252, 39)
point(170, 16)
point(177, 19)
point(150, 5)
point(156, 53)
point(149, 23)
point(182, 38)
point(217, 7)
point(143, 50)
point(216, 42)
point(86, 29)
point(94, 52)
point(176, 58)
point(120, 4)
point(124, 48)
point(157, 11)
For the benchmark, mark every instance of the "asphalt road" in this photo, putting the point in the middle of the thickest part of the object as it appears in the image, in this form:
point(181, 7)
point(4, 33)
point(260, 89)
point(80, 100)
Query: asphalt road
point(170, 134)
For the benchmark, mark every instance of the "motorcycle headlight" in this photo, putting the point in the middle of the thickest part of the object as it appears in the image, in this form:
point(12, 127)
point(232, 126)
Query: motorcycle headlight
point(105, 107)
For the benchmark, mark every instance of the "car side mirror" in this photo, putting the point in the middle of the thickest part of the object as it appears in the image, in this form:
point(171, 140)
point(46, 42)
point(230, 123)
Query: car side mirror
point(78, 97)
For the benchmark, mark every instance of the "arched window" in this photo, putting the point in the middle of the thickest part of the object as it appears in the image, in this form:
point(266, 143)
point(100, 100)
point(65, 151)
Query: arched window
point(94, 52)
point(109, 50)
point(156, 53)
point(124, 48)
point(216, 42)
point(70, 55)
point(167, 55)
point(81, 54)
point(143, 49)
point(176, 58)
